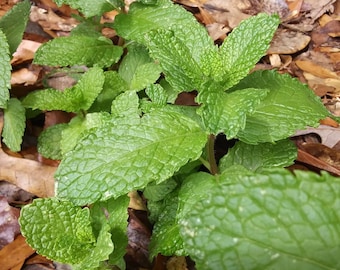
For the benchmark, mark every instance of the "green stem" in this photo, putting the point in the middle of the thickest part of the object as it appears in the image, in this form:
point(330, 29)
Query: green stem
point(211, 154)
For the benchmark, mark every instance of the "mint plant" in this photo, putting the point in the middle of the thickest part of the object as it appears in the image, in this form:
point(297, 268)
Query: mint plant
point(244, 211)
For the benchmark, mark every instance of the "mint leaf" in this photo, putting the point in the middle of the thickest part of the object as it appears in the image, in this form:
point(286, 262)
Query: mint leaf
point(166, 238)
point(79, 97)
point(260, 156)
point(138, 69)
point(49, 141)
point(5, 71)
point(115, 213)
point(58, 230)
point(289, 106)
point(180, 68)
point(273, 220)
point(157, 94)
point(13, 24)
point(113, 86)
point(157, 192)
point(78, 50)
point(14, 124)
point(142, 19)
point(110, 157)
point(246, 44)
point(77, 127)
point(126, 105)
point(92, 8)
point(226, 112)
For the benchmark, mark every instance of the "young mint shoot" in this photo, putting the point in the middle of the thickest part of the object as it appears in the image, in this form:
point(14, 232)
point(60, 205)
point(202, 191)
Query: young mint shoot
point(245, 212)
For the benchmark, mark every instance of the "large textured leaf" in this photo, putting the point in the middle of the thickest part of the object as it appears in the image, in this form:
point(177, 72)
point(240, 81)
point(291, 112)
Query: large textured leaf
point(79, 97)
point(142, 19)
point(13, 24)
point(247, 43)
point(14, 124)
point(289, 106)
point(227, 112)
point(257, 157)
point(5, 71)
point(58, 230)
point(78, 50)
point(273, 220)
point(124, 156)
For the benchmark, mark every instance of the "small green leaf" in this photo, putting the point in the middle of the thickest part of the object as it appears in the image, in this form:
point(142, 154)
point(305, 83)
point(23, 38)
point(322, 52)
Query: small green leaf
point(5, 71)
point(157, 94)
point(138, 69)
point(166, 238)
point(260, 156)
point(180, 68)
point(113, 86)
point(13, 24)
point(227, 112)
point(78, 50)
point(143, 18)
point(289, 106)
point(246, 44)
point(107, 163)
point(49, 141)
point(58, 230)
point(115, 213)
point(14, 124)
point(77, 127)
point(126, 105)
point(273, 220)
point(157, 192)
point(79, 97)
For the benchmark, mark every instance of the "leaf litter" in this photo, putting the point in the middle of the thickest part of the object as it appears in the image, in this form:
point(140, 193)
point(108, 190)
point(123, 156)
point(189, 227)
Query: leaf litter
point(305, 46)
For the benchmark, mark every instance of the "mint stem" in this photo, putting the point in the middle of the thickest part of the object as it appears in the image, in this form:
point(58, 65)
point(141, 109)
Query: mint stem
point(211, 154)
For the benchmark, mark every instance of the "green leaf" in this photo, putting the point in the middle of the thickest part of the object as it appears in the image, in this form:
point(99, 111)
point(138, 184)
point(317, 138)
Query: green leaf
point(126, 155)
point(179, 66)
point(157, 94)
point(58, 230)
point(126, 105)
point(14, 124)
point(166, 238)
point(261, 156)
point(138, 69)
point(78, 50)
point(246, 44)
point(113, 86)
point(227, 112)
point(5, 71)
point(289, 106)
point(49, 141)
point(142, 19)
point(77, 127)
point(157, 192)
point(13, 24)
point(92, 8)
point(114, 211)
point(273, 220)
point(79, 97)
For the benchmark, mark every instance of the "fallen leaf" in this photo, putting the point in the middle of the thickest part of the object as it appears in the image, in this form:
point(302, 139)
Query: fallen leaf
point(315, 69)
point(15, 253)
point(9, 226)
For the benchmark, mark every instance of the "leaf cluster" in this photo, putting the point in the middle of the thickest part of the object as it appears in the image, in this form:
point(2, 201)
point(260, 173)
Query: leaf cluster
point(127, 134)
